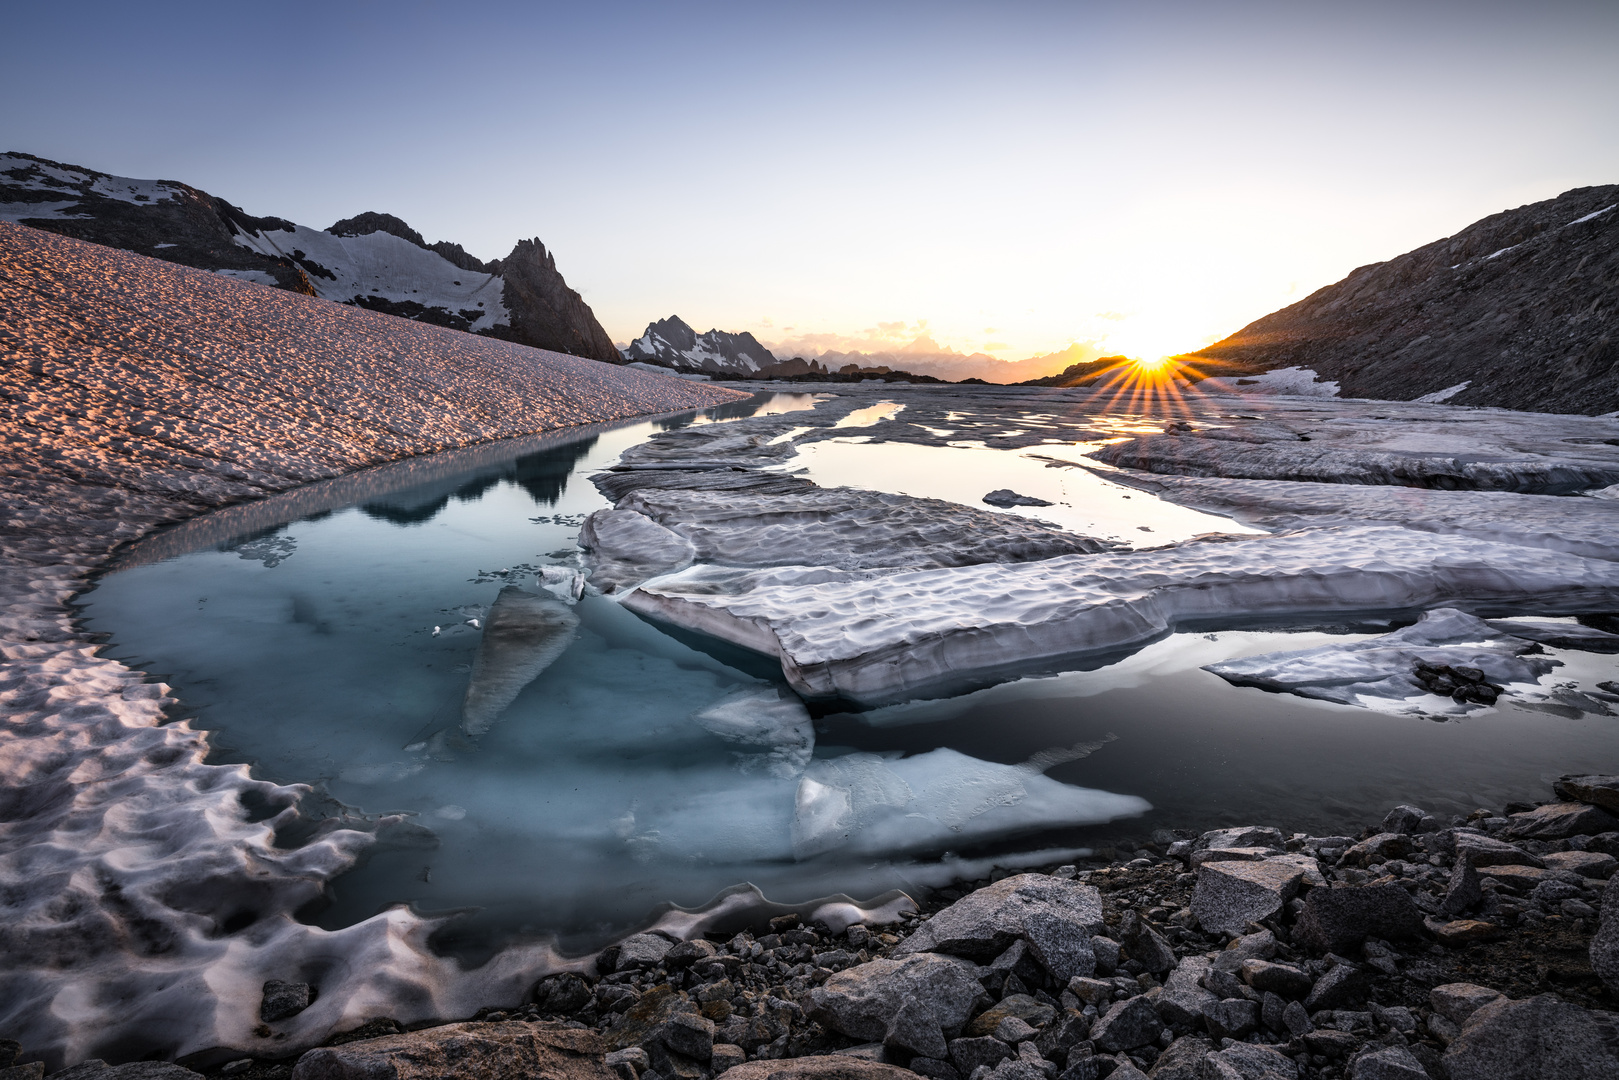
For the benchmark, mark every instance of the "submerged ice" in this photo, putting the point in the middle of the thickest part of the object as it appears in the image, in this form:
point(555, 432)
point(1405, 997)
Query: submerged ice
point(523, 635)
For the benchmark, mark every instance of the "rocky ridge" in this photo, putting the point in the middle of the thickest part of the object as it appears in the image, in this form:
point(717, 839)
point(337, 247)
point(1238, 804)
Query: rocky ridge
point(1515, 311)
point(371, 260)
point(1487, 946)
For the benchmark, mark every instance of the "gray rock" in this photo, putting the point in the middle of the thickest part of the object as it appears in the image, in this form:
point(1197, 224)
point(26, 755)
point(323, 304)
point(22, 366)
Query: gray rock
point(33, 1070)
point(1379, 848)
point(1259, 946)
point(934, 1069)
point(1343, 986)
point(969, 1054)
point(1244, 1061)
point(1126, 1070)
point(1388, 1063)
point(641, 951)
point(726, 1056)
point(827, 1067)
point(1225, 985)
point(1296, 1018)
point(1536, 1038)
point(284, 999)
point(1590, 788)
point(1551, 892)
point(1339, 919)
point(1458, 1001)
point(470, 1051)
point(1013, 1029)
point(1106, 952)
point(1234, 1019)
point(1181, 1003)
point(1605, 944)
point(1008, 497)
point(1242, 836)
point(687, 1034)
point(1272, 1009)
point(1464, 891)
point(1015, 1069)
point(1405, 819)
point(1145, 944)
point(1055, 916)
point(690, 952)
point(915, 1003)
point(1484, 851)
point(1398, 1017)
point(1127, 1025)
point(1284, 980)
point(1229, 854)
point(100, 1070)
point(1183, 1060)
point(630, 1062)
point(1066, 1031)
point(1230, 895)
point(1591, 864)
point(1559, 821)
point(563, 993)
point(1031, 1011)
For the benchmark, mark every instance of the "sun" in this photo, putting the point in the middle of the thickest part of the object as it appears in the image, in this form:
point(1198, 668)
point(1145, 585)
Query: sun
point(1146, 366)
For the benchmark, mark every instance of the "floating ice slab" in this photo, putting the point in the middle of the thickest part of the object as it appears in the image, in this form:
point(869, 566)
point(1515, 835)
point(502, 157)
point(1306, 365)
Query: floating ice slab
point(1378, 673)
point(522, 636)
point(872, 637)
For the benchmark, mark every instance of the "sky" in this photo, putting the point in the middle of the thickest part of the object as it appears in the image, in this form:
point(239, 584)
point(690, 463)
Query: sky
point(1009, 178)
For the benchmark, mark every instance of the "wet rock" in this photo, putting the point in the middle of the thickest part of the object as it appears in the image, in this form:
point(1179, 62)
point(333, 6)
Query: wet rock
point(1127, 1025)
point(1234, 1019)
point(1590, 788)
point(641, 951)
point(1019, 1006)
point(915, 1003)
point(1605, 944)
point(565, 993)
point(1344, 985)
point(1283, 980)
point(284, 999)
point(968, 1054)
point(1559, 821)
point(1458, 1001)
point(1339, 919)
point(1244, 1061)
point(470, 1051)
point(828, 1067)
point(1230, 895)
point(1387, 1063)
point(1056, 917)
point(1183, 1060)
point(1533, 1039)
point(1145, 944)
point(1464, 890)
point(1006, 497)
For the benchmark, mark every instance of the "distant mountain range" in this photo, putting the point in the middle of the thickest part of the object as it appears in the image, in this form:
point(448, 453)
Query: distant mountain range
point(371, 260)
point(672, 343)
point(1516, 310)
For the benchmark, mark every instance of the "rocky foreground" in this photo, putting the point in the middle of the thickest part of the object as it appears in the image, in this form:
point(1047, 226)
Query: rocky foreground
point(1482, 949)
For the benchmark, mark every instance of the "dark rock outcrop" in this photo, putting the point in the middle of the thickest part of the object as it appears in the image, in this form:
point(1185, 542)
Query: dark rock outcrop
point(545, 313)
point(1519, 306)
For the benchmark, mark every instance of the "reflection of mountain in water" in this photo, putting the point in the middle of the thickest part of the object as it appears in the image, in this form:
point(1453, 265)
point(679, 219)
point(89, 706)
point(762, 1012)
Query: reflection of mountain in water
point(730, 411)
point(543, 475)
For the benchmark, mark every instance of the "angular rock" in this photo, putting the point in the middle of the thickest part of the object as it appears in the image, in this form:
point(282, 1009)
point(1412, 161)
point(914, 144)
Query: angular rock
point(1379, 848)
point(35, 1070)
point(1339, 919)
point(1592, 788)
point(1014, 1031)
point(1258, 946)
point(1605, 944)
point(640, 1022)
point(630, 1062)
point(1126, 1070)
point(565, 993)
point(1343, 986)
point(1182, 1000)
point(1458, 1001)
point(1463, 932)
point(690, 952)
point(1183, 1060)
point(470, 1051)
point(1019, 1006)
point(1055, 916)
point(1330, 1042)
point(1464, 890)
point(1387, 1063)
point(1482, 851)
point(915, 1003)
point(1107, 953)
point(100, 1070)
point(1145, 944)
point(688, 1035)
point(726, 1056)
point(970, 1053)
point(828, 1067)
point(1240, 837)
point(284, 999)
point(1067, 1030)
point(1589, 864)
point(934, 1069)
point(1233, 1019)
point(1536, 1038)
point(1518, 879)
point(1407, 820)
point(641, 951)
point(1229, 854)
point(1559, 821)
point(1244, 1061)
point(1127, 1025)
point(1230, 895)
point(1283, 980)
point(1017, 1069)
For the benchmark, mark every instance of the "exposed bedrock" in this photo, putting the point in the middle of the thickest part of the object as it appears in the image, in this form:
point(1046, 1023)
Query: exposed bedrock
point(836, 636)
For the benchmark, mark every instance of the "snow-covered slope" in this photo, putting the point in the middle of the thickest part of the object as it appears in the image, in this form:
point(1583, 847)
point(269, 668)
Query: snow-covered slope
point(372, 260)
point(671, 343)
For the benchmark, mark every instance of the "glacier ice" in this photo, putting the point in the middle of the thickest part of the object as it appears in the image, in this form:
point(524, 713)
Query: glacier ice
point(523, 635)
point(768, 719)
point(1377, 673)
point(626, 547)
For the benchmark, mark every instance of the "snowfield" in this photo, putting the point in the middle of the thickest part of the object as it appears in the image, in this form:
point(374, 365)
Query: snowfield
point(145, 907)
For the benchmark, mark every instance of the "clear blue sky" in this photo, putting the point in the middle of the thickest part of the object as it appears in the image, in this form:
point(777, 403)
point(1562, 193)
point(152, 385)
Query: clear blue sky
point(1006, 176)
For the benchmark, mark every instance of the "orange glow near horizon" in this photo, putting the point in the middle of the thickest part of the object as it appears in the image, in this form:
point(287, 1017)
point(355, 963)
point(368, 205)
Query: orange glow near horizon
point(1147, 385)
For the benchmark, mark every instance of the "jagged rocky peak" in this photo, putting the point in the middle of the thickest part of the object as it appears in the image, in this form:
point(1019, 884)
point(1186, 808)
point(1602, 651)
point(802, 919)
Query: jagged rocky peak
point(544, 310)
point(1516, 310)
point(673, 343)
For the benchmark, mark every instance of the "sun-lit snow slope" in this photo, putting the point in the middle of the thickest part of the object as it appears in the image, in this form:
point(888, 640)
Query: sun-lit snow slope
point(381, 265)
point(140, 907)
